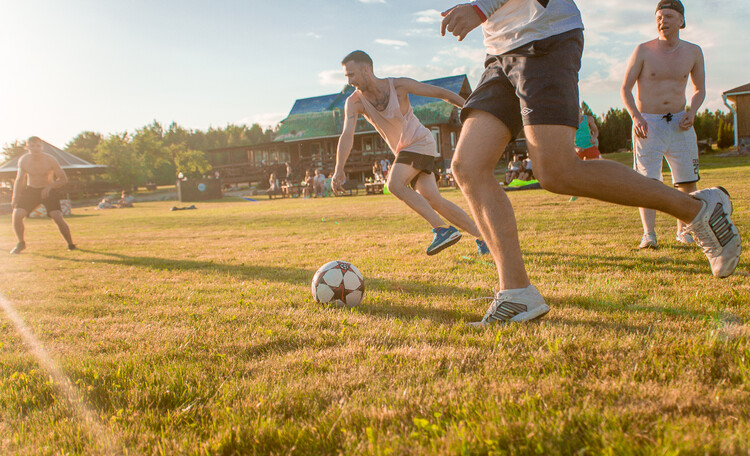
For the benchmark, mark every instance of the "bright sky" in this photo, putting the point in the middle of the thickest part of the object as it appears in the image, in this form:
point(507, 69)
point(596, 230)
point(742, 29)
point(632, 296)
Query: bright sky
point(112, 66)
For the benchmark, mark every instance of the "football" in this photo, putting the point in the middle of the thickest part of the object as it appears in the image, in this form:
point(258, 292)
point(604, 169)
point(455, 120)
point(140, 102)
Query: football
point(339, 283)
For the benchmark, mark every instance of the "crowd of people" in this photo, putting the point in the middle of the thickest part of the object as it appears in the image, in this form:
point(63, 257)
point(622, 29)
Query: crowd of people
point(312, 185)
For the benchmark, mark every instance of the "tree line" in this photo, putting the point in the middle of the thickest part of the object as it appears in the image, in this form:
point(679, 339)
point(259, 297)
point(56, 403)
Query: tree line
point(155, 155)
point(152, 154)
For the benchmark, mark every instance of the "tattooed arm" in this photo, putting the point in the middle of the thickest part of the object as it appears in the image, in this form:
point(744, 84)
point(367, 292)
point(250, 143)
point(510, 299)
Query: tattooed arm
point(352, 109)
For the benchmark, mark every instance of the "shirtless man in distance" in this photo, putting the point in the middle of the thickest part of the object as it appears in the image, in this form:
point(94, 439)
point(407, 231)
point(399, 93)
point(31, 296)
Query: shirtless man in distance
point(38, 180)
point(662, 128)
point(385, 104)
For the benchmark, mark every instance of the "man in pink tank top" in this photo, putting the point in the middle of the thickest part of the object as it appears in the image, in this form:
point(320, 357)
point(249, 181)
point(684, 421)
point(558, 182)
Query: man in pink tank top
point(385, 104)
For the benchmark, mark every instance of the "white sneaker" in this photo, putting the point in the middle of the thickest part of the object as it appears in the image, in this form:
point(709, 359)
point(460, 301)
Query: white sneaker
point(685, 238)
point(714, 231)
point(648, 241)
point(514, 305)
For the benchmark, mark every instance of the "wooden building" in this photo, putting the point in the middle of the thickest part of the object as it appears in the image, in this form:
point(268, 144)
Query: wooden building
point(740, 98)
point(308, 138)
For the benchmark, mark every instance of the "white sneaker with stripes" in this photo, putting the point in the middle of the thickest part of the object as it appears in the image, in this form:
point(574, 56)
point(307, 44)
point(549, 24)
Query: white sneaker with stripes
point(524, 304)
point(714, 231)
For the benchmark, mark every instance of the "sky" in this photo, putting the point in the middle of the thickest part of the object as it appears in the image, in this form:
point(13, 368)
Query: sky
point(113, 66)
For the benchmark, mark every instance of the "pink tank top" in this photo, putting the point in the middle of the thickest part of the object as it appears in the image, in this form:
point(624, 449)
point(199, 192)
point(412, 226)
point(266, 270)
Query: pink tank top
point(401, 132)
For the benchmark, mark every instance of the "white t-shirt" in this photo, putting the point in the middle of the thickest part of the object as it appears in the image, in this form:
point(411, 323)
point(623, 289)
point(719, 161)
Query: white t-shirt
point(513, 23)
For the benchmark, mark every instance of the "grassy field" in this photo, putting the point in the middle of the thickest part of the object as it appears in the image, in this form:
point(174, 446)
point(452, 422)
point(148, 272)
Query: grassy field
point(194, 332)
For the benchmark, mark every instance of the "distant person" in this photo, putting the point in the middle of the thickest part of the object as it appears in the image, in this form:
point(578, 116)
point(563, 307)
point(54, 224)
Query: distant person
point(587, 137)
point(377, 173)
point(319, 184)
point(515, 167)
point(527, 172)
point(385, 104)
point(530, 83)
point(289, 174)
point(662, 128)
point(38, 182)
point(274, 189)
point(385, 166)
point(308, 184)
point(126, 200)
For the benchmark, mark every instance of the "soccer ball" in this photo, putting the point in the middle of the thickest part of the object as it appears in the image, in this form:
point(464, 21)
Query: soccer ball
point(339, 283)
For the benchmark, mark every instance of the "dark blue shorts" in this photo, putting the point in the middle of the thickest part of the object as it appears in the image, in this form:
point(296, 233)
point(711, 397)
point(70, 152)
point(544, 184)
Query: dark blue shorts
point(535, 84)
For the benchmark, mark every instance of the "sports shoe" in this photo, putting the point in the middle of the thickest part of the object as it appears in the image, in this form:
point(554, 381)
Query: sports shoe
point(685, 238)
point(525, 304)
point(482, 248)
point(714, 231)
point(648, 241)
point(18, 248)
point(444, 238)
point(72, 247)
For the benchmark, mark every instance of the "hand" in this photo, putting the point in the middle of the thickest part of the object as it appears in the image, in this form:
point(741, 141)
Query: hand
point(45, 192)
point(687, 121)
point(337, 182)
point(460, 20)
point(640, 127)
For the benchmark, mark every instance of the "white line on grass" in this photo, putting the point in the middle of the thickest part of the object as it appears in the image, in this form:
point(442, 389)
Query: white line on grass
point(108, 442)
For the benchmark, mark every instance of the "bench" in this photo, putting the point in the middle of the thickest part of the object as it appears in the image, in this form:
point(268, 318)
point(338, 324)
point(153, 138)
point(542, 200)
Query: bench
point(291, 191)
point(373, 188)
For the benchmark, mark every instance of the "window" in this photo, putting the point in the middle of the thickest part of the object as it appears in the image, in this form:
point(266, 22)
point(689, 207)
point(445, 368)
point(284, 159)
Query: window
point(436, 134)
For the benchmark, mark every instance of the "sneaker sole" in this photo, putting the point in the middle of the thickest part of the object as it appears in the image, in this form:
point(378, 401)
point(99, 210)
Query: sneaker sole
point(449, 242)
point(536, 314)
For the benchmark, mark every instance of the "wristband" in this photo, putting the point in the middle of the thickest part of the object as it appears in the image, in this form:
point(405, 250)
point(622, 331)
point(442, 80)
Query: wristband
point(480, 13)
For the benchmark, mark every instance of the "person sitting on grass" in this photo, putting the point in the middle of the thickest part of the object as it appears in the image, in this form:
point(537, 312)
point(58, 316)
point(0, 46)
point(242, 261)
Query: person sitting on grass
point(126, 200)
point(527, 173)
point(319, 183)
point(515, 167)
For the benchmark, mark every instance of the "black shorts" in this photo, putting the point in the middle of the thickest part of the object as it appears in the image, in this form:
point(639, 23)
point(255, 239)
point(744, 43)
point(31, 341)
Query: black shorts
point(424, 163)
point(31, 197)
point(535, 84)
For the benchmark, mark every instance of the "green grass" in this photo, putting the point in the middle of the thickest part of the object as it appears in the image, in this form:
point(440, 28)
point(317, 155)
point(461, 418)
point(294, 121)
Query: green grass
point(194, 332)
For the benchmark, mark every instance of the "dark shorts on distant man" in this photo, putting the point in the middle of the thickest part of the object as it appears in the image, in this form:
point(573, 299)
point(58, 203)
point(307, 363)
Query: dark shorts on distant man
point(534, 84)
point(31, 197)
point(424, 163)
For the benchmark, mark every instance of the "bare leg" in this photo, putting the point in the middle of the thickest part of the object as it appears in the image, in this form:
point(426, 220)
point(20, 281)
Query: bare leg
point(455, 215)
point(18, 227)
point(648, 220)
point(62, 226)
point(559, 170)
point(399, 177)
point(479, 148)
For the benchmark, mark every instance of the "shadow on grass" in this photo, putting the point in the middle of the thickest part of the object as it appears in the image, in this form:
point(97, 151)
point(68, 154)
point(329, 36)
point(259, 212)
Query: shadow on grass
point(627, 263)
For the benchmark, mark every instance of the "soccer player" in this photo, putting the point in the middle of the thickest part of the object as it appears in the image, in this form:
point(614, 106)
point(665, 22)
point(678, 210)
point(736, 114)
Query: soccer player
point(530, 81)
point(37, 182)
point(661, 126)
point(385, 104)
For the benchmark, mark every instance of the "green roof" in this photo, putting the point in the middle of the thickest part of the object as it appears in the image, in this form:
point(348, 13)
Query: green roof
point(311, 125)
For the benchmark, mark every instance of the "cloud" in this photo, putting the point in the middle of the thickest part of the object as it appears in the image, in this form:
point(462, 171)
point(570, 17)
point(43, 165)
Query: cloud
point(430, 16)
point(371, 1)
point(314, 35)
point(474, 55)
point(394, 43)
point(332, 78)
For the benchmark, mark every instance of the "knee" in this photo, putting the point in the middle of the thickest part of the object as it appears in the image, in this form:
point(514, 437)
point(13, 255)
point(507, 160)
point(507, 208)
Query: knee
point(464, 170)
point(396, 188)
point(554, 179)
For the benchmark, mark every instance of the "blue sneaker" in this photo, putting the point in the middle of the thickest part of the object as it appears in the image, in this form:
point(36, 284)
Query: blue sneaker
point(444, 237)
point(482, 248)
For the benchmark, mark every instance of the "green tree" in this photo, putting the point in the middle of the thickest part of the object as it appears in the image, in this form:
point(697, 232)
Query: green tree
point(148, 144)
point(13, 150)
point(726, 134)
point(84, 145)
point(191, 163)
point(124, 165)
point(615, 131)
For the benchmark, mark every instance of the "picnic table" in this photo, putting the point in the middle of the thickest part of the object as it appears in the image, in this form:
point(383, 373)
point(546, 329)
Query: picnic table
point(373, 188)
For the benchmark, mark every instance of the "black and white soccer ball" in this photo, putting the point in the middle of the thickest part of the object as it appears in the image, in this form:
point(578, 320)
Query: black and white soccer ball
point(339, 283)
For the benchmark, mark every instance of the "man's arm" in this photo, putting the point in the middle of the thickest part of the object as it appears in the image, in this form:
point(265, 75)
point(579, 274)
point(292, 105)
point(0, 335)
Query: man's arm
point(698, 77)
point(428, 90)
point(633, 71)
point(19, 183)
point(346, 141)
point(59, 179)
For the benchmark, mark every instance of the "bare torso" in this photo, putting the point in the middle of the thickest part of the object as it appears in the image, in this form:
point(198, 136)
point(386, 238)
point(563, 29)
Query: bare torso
point(664, 76)
point(39, 168)
point(380, 94)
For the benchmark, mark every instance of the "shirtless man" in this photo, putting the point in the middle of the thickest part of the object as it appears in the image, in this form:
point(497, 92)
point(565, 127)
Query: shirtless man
point(385, 104)
point(38, 180)
point(661, 126)
point(530, 82)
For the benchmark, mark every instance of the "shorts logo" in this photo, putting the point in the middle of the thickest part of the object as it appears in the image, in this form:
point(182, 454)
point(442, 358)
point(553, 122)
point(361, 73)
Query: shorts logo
point(526, 111)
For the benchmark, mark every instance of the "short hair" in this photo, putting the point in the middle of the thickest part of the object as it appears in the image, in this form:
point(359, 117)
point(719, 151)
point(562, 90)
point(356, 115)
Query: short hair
point(357, 56)
point(33, 138)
